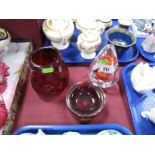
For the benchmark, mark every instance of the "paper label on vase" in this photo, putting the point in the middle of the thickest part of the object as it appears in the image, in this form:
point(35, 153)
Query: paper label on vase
point(107, 68)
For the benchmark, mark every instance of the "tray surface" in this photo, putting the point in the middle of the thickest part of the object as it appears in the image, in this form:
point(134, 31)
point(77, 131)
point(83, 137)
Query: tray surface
point(34, 110)
point(82, 129)
point(138, 103)
point(72, 54)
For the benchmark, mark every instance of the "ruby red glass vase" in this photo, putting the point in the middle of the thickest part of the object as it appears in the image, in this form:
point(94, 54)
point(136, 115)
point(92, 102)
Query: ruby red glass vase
point(49, 75)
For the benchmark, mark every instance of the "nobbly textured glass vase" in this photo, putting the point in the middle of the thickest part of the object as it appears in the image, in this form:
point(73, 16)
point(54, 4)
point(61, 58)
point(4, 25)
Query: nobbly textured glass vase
point(49, 75)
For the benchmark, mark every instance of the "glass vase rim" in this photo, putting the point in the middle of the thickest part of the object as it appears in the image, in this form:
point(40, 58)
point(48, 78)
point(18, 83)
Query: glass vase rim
point(39, 49)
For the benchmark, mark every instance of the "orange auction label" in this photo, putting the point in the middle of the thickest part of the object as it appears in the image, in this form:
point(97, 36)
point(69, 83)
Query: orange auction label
point(104, 66)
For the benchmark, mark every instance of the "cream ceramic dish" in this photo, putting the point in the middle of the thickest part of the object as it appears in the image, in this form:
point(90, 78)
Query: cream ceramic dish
point(125, 22)
point(88, 42)
point(89, 25)
point(71, 133)
point(109, 132)
point(59, 31)
point(5, 40)
point(107, 22)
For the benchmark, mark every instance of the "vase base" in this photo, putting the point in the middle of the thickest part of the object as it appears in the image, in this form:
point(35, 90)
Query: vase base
point(88, 55)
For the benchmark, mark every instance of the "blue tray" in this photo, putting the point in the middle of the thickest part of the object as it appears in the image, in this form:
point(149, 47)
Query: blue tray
point(138, 103)
point(129, 55)
point(145, 55)
point(72, 54)
point(82, 129)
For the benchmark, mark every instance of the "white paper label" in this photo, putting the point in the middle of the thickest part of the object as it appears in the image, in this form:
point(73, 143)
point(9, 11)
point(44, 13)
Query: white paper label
point(107, 68)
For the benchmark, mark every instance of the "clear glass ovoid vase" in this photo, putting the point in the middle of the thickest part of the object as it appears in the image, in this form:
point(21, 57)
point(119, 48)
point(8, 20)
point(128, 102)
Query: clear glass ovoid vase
point(103, 71)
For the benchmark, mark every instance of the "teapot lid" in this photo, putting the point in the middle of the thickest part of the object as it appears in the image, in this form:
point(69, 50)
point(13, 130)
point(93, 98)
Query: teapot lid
point(57, 24)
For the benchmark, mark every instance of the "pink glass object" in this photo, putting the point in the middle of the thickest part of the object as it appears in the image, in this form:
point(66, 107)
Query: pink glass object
point(3, 74)
point(3, 112)
point(49, 75)
point(103, 71)
point(85, 101)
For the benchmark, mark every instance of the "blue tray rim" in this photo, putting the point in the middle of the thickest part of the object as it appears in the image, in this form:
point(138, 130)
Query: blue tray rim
point(133, 58)
point(147, 58)
point(128, 94)
point(118, 127)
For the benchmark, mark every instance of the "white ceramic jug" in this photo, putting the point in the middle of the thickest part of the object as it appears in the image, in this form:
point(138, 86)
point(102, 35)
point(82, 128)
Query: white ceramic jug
point(88, 42)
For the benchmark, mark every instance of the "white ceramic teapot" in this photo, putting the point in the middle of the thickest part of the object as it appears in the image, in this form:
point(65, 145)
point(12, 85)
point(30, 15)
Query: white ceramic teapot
point(89, 25)
point(88, 42)
point(5, 40)
point(59, 31)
